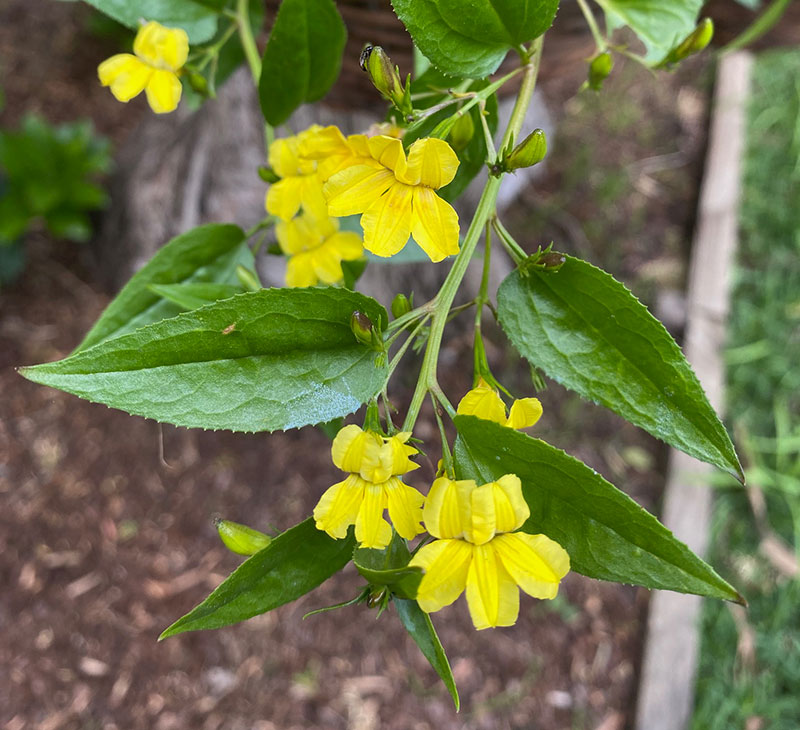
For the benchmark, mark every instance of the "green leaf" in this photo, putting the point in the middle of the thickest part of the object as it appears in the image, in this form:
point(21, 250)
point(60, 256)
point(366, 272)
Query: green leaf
point(194, 296)
point(660, 24)
point(389, 567)
point(470, 38)
point(196, 18)
point(302, 58)
point(588, 332)
point(293, 564)
point(261, 361)
point(205, 254)
point(419, 625)
point(607, 535)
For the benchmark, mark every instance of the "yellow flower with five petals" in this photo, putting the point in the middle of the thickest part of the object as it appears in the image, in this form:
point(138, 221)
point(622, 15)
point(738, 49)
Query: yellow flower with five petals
point(159, 54)
point(478, 550)
point(375, 464)
point(396, 196)
point(316, 249)
point(484, 402)
point(300, 185)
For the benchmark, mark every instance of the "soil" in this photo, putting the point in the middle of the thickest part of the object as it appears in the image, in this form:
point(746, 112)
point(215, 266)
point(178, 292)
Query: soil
point(106, 531)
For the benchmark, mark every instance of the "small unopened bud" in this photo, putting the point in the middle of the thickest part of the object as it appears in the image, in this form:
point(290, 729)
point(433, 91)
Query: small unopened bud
point(385, 76)
point(378, 596)
point(462, 132)
point(241, 539)
point(267, 174)
point(599, 70)
point(365, 331)
point(695, 42)
point(247, 278)
point(551, 261)
point(199, 83)
point(528, 152)
point(400, 306)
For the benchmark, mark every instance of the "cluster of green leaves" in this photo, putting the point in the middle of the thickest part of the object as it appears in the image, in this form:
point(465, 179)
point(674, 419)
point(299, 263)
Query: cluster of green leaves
point(48, 175)
point(191, 341)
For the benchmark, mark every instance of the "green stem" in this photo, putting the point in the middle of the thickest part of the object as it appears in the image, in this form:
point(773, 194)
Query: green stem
point(247, 39)
point(516, 251)
point(486, 208)
point(600, 41)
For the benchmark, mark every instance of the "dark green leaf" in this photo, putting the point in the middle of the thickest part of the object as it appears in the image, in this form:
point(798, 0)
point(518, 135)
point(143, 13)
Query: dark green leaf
point(587, 331)
point(303, 57)
point(261, 361)
point(194, 296)
point(419, 625)
point(660, 24)
point(389, 567)
point(470, 38)
point(205, 254)
point(606, 534)
point(293, 564)
point(198, 19)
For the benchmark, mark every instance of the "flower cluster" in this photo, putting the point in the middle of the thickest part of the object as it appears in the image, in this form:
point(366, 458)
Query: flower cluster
point(375, 464)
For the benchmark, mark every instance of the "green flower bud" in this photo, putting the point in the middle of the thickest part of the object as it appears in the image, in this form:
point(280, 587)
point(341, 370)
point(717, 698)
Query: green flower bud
point(247, 278)
point(241, 539)
point(198, 82)
point(267, 174)
point(400, 306)
point(385, 76)
point(599, 70)
point(695, 42)
point(462, 132)
point(528, 152)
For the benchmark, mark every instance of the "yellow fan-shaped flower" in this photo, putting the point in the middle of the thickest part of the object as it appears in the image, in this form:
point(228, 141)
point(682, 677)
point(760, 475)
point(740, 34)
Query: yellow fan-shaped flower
point(159, 54)
point(375, 464)
point(478, 551)
point(396, 195)
point(300, 185)
point(484, 402)
point(316, 249)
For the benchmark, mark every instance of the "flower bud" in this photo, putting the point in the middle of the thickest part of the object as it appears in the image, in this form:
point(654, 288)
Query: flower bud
point(528, 152)
point(599, 70)
point(695, 42)
point(400, 306)
point(462, 132)
point(247, 278)
point(361, 325)
point(267, 174)
point(385, 76)
point(241, 539)
point(199, 83)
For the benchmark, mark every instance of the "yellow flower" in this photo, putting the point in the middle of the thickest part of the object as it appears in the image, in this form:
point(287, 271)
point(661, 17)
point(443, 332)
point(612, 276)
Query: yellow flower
point(159, 56)
point(316, 249)
point(484, 402)
point(299, 184)
point(477, 550)
point(374, 463)
point(396, 196)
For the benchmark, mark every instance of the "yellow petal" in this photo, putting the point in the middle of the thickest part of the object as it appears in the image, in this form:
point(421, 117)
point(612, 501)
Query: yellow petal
point(446, 564)
point(396, 454)
point(431, 162)
point(405, 508)
point(352, 447)
point(355, 188)
point(387, 222)
point(296, 236)
point(326, 264)
point(163, 48)
point(447, 507)
point(300, 270)
point(163, 92)
point(285, 197)
point(524, 413)
point(389, 152)
point(535, 562)
point(492, 595)
point(283, 157)
point(434, 224)
point(347, 245)
point(510, 507)
point(125, 74)
point(372, 531)
point(320, 142)
point(338, 507)
point(313, 199)
point(483, 402)
point(483, 522)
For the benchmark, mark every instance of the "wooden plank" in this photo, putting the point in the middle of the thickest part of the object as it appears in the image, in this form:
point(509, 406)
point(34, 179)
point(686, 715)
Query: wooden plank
point(669, 668)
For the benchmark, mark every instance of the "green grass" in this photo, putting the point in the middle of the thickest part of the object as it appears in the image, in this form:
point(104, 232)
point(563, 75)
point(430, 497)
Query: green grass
point(763, 367)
